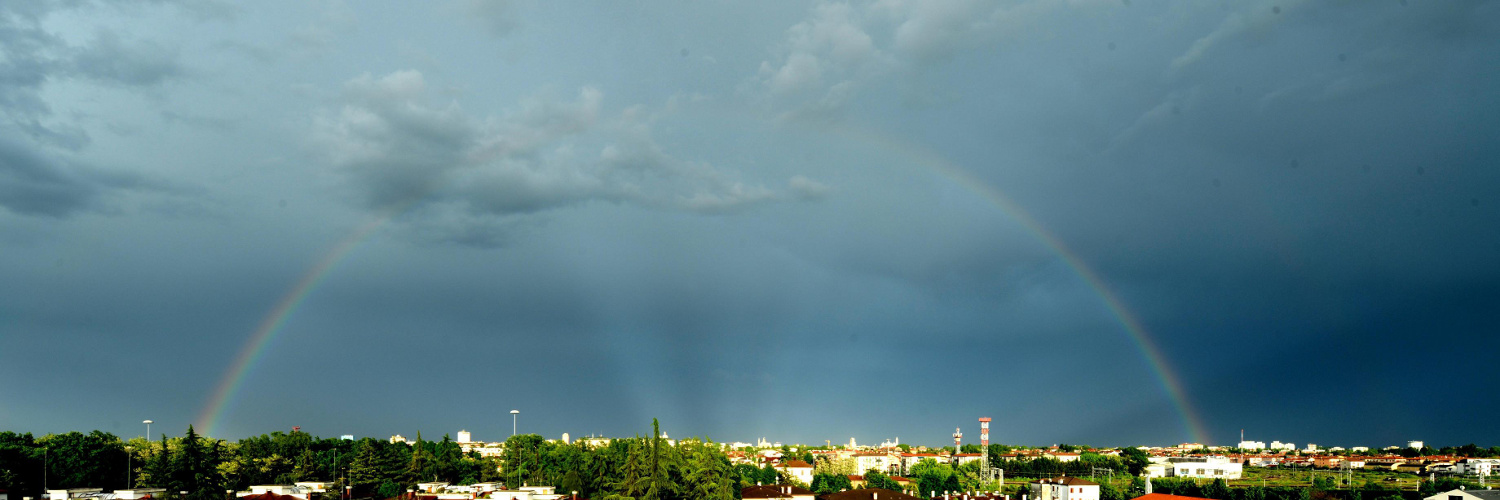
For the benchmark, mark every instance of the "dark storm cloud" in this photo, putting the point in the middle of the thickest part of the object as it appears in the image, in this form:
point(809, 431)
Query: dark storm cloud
point(549, 154)
point(39, 178)
point(109, 59)
point(774, 220)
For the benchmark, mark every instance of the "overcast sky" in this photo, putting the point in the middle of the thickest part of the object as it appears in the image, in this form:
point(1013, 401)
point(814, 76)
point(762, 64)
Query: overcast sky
point(802, 221)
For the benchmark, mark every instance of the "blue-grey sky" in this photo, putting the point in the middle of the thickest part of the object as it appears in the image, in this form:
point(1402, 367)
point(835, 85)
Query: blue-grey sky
point(802, 221)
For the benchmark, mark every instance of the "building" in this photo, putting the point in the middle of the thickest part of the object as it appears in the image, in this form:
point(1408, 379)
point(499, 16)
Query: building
point(1278, 445)
point(138, 493)
point(872, 460)
point(872, 494)
point(280, 490)
point(464, 436)
point(799, 470)
point(1252, 445)
point(963, 458)
point(1064, 488)
point(1204, 467)
point(398, 439)
point(1461, 494)
point(1415, 445)
point(1478, 466)
point(74, 493)
point(1062, 456)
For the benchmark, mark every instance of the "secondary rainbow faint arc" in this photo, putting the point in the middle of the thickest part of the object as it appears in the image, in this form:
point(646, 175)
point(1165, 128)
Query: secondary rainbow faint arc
point(229, 386)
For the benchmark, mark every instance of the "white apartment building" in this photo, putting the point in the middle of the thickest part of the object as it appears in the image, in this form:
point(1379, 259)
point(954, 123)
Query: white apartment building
point(867, 461)
point(1478, 466)
point(1204, 467)
point(1252, 445)
point(1278, 445)
point(1064, 488)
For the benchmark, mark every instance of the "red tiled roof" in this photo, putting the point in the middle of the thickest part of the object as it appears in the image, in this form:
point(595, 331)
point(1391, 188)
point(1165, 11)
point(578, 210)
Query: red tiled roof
point(869, 494)
point(268, 496)
point(774, 491)
point(1164, 496)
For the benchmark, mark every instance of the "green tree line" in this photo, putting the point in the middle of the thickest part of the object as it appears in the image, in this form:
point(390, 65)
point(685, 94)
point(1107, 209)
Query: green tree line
point(626, 469)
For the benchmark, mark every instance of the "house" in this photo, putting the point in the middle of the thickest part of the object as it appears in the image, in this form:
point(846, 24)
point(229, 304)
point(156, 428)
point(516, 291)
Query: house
point(1461, 494)
point(963, 458)
point(856, 481)
point(432, 487)
point(873, 494)
point(777, 491)
point(1063, 456)
point(910, 459)
point(872, 460)
point(799, 470)
point(1408, 467)
point(1064, 488)
point(1327, 461)
point(1478, 466)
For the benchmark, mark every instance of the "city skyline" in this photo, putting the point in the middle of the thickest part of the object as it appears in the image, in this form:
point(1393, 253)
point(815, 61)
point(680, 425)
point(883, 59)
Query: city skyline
point(1095, 221)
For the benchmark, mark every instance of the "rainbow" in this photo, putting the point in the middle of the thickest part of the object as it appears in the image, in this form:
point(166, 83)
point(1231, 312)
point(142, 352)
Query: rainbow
point(265, 332)
point(923, 156)
point(234, 378)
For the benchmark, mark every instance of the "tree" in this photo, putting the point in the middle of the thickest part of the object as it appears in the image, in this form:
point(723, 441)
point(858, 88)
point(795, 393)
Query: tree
point(874, 479)
point(1217, 490)
point(823, 484)
point(1134, 459)
point(766, 475)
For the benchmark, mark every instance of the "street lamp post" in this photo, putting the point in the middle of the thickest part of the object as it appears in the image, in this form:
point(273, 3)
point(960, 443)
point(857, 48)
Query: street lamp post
point(513, 414)
point(148, 428)
point(127, 468)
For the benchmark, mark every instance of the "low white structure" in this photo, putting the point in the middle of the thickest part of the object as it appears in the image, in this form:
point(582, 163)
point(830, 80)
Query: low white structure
point(1064, 488)
point(1478, 466)
point(74, 493)
point(1278, 445)
point(279, 489)
point(1204, 467)
point(1461, 494)
point(1415, 445)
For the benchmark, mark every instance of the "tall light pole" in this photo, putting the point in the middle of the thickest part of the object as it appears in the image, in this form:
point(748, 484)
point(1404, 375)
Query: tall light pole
point(513, 414)
point(148, 428)
point(127, 468)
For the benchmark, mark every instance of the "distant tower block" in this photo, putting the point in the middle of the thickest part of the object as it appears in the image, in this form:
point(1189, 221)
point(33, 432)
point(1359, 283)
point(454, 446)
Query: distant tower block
point(984, 432)
point(565, 439)
point(958, 436)
point(463, 436)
